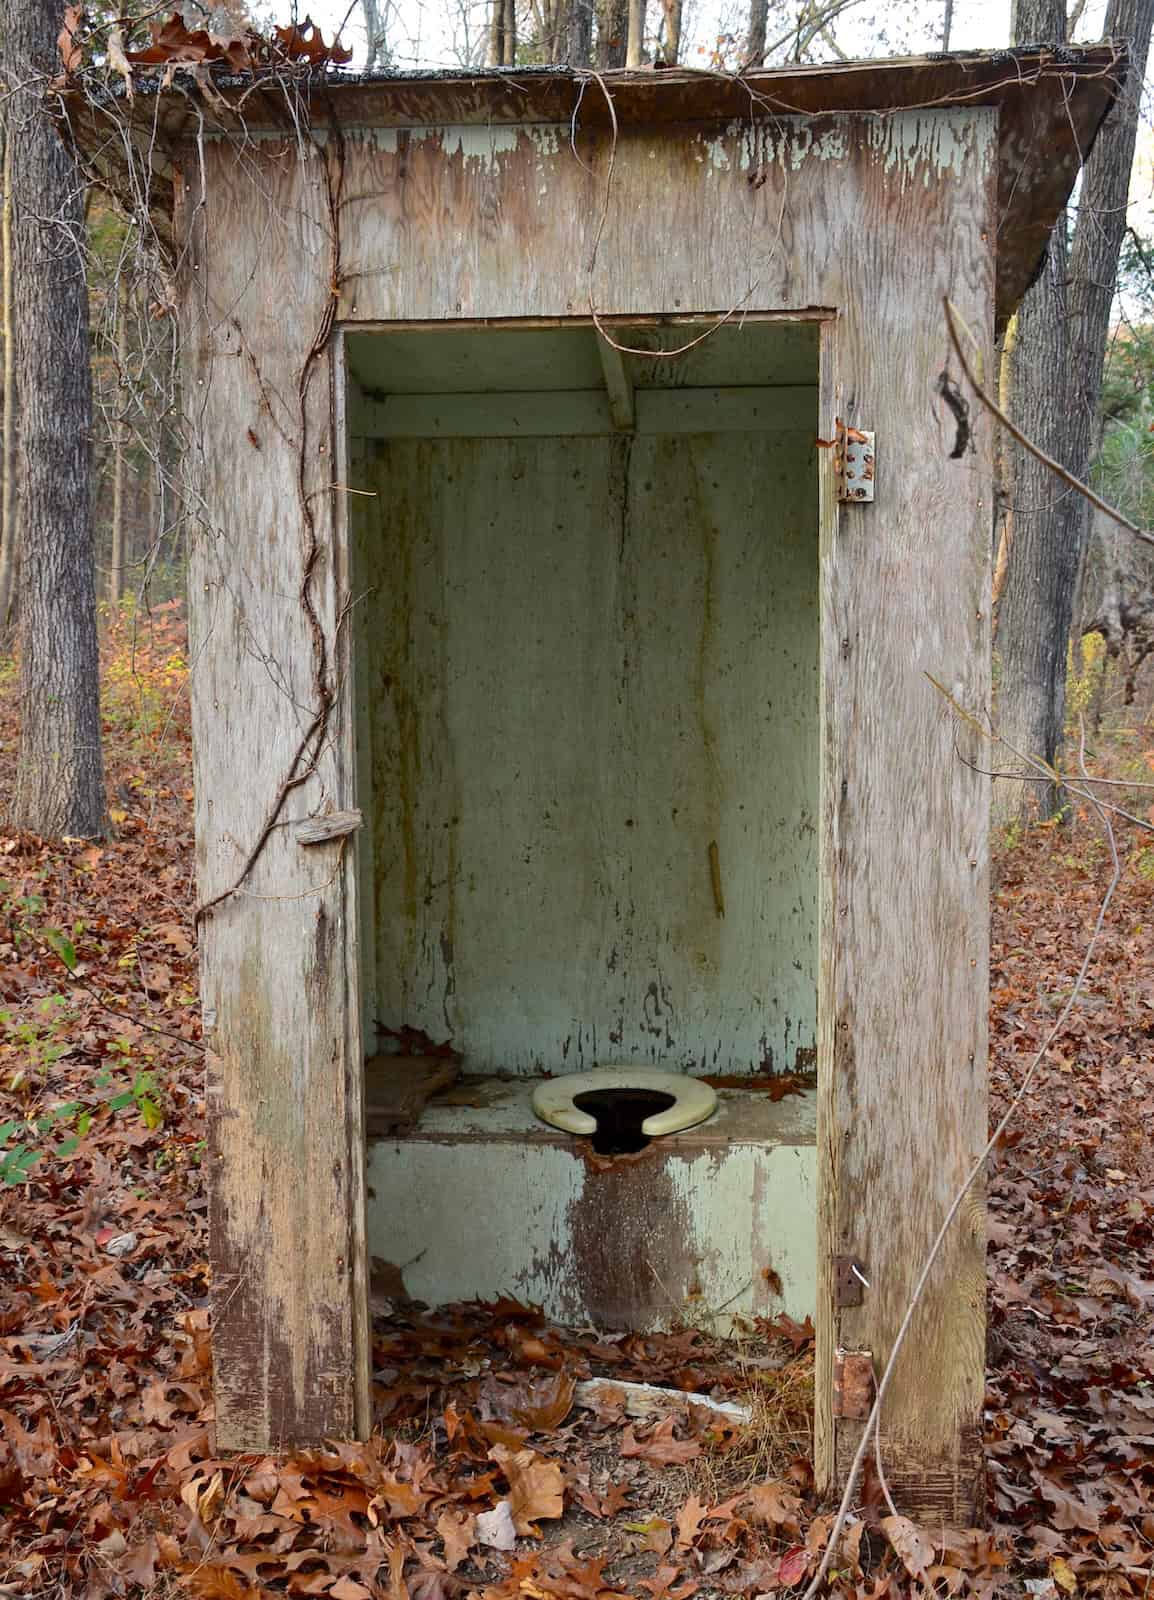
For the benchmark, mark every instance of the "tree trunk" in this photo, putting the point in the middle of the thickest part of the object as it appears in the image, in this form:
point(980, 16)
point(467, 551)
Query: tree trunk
point(495, 53)
point(8, 466)
point(671, 45)
point(59, 774)
point(636, 33)
point(117, 562)
point(1056, 380)
point(376, 41)
point(755, 39)
point(612, 33)
point(575, 42)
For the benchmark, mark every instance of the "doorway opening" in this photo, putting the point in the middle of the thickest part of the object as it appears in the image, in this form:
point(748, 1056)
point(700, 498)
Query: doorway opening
point(587, 664)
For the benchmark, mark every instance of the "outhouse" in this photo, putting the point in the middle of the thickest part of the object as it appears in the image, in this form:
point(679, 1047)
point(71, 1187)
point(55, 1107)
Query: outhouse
point(590, 530)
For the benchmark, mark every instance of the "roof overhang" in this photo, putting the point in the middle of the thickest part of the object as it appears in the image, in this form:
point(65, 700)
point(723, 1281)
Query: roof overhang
point(1051, 103)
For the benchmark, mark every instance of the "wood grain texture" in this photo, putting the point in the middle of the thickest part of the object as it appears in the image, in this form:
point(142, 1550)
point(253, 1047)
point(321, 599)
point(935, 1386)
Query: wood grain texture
point(278, 975)
point(875, 220)
point(1049, 104)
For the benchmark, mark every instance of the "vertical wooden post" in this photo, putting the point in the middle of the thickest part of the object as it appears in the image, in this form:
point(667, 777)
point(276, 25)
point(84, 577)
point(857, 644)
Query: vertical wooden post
point(273, 731)
point(904, 901)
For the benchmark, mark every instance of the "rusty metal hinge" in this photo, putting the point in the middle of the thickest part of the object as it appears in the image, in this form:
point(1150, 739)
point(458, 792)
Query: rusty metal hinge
point(853, 1384)
point(849, 1280)
point(854, 464)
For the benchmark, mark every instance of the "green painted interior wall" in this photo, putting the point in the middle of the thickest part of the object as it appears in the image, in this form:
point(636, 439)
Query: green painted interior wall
point(583, 662)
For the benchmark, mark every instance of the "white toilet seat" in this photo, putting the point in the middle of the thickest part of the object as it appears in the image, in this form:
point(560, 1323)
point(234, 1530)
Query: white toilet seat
point(693, 1101)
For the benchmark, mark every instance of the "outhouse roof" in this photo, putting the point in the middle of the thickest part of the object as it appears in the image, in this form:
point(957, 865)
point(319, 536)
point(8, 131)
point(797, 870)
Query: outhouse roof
point(1051, 103)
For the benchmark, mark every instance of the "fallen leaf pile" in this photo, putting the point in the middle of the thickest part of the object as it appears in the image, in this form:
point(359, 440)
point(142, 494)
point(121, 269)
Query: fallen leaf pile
point(506, 1462)
point(1071, 1381)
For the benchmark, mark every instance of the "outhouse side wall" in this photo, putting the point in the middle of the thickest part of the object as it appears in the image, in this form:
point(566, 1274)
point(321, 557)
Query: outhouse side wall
point(272, 741)
point(867, 222)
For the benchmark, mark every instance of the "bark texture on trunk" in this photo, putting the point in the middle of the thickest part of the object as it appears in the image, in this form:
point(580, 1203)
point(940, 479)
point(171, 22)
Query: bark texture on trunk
point(118, 554)
point(671, 42)
point(755, 38)
point(1056, 375)
point(59, 775)
point(612, 33)
point(576, 40)
point(635, 38)
point(8, 533)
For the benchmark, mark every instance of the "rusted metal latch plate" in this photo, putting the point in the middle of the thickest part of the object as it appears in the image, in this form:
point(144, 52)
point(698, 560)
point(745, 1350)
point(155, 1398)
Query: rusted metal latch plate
point(853, 1384)
point(855, 464)
point(849, 1280)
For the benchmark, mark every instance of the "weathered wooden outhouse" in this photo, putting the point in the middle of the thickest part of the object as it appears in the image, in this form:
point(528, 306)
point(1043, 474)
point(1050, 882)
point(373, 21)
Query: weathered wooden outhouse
point(587, 509)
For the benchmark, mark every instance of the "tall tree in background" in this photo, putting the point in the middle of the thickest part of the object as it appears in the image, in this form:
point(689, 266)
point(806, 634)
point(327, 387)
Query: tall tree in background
point(376, 34)
point(59, 776)
point(612, 33)
point(1055, 374)
point(8, 459)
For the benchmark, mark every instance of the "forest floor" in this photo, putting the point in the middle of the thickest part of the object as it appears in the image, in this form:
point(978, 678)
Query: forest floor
point(485, 1475)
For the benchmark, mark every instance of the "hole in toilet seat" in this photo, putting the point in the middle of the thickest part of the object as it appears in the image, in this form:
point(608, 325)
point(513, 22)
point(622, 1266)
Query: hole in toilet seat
point(620, 1113)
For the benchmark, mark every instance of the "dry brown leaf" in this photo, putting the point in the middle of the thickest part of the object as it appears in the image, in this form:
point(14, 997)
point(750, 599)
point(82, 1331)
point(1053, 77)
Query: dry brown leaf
point(655, 1534)
point(689, 1520)
point(347, 1588)
point(536, 1487)
point(457, 1530)
point(118, 61)
point(914, 1548)
point(216, 1583)
point(774, 1504)
point(71, 55)
point(660, 1448)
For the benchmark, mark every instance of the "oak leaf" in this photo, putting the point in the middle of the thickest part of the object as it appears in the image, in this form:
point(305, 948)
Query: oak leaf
point(536, 1487)
point(689, 1520)
point(660, 1448)
point(457, 1530)
point(775, 1505)
point(912, 1546)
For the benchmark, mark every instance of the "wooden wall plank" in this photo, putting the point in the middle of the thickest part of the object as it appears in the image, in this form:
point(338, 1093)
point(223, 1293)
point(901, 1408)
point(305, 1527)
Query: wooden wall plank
point(278, 958)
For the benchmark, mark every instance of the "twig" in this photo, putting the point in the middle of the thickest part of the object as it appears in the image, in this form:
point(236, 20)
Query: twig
point(1028, 444)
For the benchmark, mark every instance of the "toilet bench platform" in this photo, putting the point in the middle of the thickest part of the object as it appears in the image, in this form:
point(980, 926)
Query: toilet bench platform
point(712, 1226)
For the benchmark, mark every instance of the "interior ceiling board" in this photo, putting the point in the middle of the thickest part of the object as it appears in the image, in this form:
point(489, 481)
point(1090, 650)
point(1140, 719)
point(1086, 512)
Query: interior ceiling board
point(473, 361)
point(743, 353)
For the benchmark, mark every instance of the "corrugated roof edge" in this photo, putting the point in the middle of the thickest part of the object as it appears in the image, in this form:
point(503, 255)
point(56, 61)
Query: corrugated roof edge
point(1051, 103)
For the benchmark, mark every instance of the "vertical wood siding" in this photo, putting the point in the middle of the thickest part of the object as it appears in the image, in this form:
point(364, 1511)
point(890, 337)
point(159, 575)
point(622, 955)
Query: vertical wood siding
point(278, 957)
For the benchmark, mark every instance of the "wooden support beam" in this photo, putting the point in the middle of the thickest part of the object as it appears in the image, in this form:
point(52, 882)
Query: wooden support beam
point(618, 384)
point(554, 413)
point(279, 960)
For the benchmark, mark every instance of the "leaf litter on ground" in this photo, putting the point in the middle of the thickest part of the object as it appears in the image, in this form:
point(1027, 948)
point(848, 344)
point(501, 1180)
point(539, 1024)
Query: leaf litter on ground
point(483, 1476)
